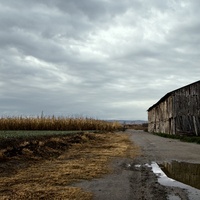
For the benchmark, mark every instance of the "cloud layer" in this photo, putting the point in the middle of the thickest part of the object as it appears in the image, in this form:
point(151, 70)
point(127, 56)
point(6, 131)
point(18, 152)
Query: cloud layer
point(103, 59)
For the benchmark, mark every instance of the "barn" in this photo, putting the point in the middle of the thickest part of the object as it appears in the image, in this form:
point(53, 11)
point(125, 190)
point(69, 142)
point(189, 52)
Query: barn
point(178, 112)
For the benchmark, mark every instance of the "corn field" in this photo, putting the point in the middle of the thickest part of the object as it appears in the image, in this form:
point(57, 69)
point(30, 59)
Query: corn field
point(56, 124)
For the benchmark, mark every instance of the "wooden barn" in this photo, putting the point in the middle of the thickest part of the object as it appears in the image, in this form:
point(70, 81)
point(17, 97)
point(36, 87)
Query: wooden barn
point(178, 112)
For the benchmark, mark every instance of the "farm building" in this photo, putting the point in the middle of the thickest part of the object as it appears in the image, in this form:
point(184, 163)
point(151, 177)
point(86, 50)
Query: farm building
point(178, 112)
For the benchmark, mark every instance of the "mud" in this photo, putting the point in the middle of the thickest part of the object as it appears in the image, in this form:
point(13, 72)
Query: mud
point(127, 182)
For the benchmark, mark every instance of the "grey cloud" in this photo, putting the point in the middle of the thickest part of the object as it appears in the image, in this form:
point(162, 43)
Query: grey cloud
point(94, 10)
point(104, 59)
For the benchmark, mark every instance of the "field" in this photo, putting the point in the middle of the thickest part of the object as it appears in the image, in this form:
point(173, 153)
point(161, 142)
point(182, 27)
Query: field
point(143, 127)
point(56, 124)
point(21, 127)
point(45, 164)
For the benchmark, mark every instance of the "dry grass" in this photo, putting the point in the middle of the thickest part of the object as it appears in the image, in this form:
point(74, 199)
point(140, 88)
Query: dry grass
point(56, 123)
point(51, 179)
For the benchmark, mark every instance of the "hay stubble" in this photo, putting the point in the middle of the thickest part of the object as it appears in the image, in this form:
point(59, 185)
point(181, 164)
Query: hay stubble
point(52, 178)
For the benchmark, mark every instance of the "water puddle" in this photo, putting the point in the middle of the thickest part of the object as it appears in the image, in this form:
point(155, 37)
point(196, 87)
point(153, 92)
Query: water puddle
point(179, 174)
point(188, 173)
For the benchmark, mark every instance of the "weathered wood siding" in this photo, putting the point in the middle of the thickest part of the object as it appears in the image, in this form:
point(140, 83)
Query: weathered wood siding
point(178, 112)
point(187, 109)
point(160, 117)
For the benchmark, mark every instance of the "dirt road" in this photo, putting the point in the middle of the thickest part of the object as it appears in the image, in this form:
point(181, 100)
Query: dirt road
point(163, 149)
point(134, 179)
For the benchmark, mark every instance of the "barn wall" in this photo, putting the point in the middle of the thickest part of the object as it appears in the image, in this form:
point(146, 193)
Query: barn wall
point(160, 117)
point(187, 110)
point(178, 113)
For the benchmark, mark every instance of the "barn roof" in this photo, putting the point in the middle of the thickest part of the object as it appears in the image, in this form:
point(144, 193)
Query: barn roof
point(169, 94)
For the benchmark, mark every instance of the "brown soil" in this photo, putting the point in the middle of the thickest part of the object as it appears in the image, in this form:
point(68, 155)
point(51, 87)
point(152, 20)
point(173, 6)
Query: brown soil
point(46, 167)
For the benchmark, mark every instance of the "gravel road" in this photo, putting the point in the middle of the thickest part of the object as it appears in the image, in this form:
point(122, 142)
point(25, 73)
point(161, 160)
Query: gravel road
point(160, 149)
point(135, 180)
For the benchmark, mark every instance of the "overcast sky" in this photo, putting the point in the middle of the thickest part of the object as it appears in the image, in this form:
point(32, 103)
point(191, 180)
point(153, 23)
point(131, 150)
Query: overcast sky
point(107, 59)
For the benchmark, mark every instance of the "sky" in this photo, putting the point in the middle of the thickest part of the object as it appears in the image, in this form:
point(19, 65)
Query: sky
point(105, 59)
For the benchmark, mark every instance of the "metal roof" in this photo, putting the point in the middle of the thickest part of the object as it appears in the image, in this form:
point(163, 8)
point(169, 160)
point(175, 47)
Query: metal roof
point(169, 94)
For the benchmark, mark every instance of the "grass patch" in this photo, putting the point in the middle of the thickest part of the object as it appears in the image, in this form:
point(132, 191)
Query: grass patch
point(183, 138)
point(52, 178)
point(33, 134)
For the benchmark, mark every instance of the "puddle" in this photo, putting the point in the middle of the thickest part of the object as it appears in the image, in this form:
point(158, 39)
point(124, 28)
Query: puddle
point(188, 173)
point(186, 170)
